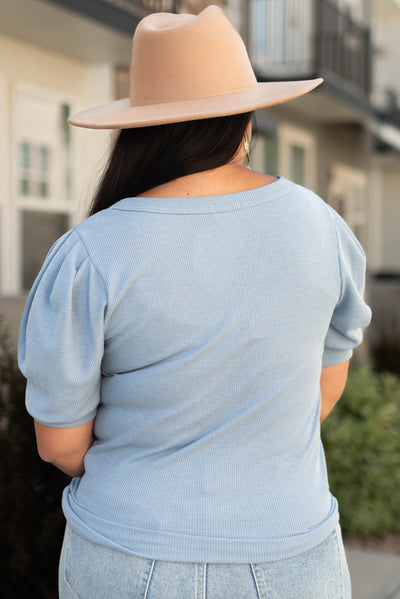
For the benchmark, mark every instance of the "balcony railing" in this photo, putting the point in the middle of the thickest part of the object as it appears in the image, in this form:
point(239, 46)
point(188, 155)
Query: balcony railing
point(287, 39)
point(343, 47)
point(294, 39)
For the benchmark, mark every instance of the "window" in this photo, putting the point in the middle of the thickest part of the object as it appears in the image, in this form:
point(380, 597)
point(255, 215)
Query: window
point(34, 170)
point(43, 146)
point(271, 155)
point(297, 155)
point(264, 153)
point(44, 182)
point(280, 36)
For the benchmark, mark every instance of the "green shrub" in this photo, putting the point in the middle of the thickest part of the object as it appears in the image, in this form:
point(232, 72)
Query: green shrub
point(31, 520)
point(362, 443)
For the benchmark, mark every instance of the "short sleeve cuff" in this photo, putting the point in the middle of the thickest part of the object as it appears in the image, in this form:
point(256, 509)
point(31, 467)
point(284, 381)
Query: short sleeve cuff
point(58, 423)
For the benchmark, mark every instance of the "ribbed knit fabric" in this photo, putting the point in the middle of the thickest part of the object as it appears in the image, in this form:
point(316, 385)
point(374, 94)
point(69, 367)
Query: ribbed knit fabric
point(195, 329)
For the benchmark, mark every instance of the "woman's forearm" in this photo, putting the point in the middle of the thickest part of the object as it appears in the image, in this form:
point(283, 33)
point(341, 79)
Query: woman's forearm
point(332, 384)
point(65, 448)
point(71, 463)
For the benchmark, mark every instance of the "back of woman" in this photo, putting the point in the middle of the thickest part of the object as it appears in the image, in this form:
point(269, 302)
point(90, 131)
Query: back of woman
point(184, 334)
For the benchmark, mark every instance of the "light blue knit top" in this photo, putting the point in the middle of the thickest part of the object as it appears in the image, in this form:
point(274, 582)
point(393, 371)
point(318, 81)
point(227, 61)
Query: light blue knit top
point(194, 330)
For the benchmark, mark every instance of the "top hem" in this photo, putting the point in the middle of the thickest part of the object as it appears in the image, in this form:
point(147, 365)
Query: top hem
point(170, 546)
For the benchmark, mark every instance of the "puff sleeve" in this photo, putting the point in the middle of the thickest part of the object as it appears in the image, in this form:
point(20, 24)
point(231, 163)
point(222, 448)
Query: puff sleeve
point(351, 313)
point(61, 341)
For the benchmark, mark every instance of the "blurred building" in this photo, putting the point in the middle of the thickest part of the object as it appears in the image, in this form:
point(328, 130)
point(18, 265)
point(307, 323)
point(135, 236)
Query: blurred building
point(342, 140)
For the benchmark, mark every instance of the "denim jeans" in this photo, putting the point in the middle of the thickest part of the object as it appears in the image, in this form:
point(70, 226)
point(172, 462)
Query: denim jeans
point(91, 571)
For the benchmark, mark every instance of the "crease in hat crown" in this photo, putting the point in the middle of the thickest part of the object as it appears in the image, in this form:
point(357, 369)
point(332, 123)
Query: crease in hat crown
point(186, 67)
point(184, 57)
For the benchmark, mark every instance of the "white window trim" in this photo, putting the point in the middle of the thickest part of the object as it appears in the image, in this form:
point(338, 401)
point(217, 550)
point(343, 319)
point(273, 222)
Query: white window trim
point(14, 283)
point(55, 96)
point(289, 135)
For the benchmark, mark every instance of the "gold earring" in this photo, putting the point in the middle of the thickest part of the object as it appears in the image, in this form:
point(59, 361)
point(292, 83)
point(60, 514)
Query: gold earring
point(247, 150)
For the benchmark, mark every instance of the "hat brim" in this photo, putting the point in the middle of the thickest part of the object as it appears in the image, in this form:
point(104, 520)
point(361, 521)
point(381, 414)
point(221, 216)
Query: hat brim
point(120, 115)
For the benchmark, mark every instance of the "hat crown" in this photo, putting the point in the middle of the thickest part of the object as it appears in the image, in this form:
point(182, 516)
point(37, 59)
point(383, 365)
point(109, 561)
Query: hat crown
point(180, 57)
point(186, 67)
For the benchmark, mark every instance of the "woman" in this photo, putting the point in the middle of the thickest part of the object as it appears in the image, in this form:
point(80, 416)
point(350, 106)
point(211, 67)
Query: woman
point(182, 344)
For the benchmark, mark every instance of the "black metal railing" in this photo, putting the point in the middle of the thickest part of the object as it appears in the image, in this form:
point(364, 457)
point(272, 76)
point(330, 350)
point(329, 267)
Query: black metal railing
point(343, 47)
point(277, 35)
point(140, 7)
point(297, 38)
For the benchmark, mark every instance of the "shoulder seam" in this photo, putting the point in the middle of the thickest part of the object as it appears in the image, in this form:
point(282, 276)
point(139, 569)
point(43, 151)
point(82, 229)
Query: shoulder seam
point(90, 259)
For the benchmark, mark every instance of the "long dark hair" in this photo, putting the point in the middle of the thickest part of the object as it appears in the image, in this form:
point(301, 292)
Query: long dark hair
point(145, 157)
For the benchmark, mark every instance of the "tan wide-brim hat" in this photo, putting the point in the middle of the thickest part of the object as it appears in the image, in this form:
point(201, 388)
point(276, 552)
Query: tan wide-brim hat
point(186, 67)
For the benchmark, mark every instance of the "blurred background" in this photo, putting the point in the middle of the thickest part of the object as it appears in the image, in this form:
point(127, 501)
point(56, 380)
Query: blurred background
point(342, 141)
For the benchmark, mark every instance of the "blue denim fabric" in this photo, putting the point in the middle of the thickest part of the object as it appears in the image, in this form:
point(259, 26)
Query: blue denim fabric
point(91, 571)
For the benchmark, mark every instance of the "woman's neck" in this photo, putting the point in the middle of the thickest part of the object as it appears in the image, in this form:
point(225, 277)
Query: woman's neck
point(229, 178)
